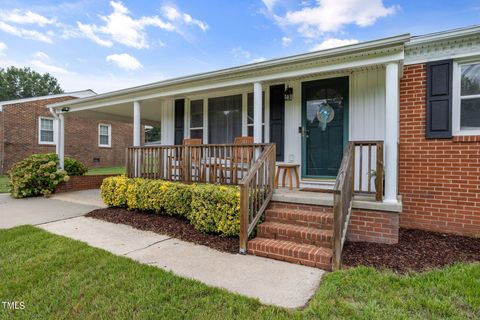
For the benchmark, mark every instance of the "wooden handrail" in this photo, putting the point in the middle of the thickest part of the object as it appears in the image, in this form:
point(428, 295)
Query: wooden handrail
point(342, 203)
point(256, 191)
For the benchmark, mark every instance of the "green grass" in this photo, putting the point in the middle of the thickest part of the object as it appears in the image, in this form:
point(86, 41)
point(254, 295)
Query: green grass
point(59, 278)
point(4, 184)
point(110, 170)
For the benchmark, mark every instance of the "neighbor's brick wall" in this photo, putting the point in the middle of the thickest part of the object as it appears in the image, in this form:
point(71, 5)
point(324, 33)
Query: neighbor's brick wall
point(20, 138)
point(373, 226)
point(77, 183)
point(439, 179)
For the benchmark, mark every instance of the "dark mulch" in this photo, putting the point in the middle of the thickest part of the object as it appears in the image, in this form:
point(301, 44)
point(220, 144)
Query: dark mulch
point(176, 227)
point(416, 250)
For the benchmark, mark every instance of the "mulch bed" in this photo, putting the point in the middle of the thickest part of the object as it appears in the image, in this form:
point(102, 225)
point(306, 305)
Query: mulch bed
point(416, 251)
point(176, 227)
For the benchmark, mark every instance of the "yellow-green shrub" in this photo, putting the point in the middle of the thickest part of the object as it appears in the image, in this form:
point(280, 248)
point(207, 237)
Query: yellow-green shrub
point(216, 209)
point(209, 208)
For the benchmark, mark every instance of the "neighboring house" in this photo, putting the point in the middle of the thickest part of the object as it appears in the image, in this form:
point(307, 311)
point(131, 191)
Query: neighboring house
point(413, 101)
point(27, 126)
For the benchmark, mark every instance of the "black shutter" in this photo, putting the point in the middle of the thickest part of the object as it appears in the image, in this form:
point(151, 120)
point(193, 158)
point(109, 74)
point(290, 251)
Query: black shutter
point(439, 99)
point(277, 119)
point(179, 120)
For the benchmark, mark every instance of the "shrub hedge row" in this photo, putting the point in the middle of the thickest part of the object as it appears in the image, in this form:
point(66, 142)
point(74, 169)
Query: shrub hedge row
point(209, 208)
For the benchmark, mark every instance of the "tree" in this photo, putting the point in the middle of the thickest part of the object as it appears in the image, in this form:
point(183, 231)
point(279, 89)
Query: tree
point(18, 83)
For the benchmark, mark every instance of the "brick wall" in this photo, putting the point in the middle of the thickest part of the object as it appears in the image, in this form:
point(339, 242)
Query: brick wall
point(19, 134)
point(373, 226)
point(77, 183)
point(439, 179)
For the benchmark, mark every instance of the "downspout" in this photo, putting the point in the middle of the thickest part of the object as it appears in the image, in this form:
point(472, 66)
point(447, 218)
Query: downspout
point(59, 148)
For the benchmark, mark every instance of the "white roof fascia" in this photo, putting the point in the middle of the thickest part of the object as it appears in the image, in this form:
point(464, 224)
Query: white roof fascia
point(78, 94)
point(444, 35)
point(265, 65)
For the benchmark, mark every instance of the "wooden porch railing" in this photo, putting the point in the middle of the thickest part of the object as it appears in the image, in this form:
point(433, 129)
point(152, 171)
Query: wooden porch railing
point(256, 191)
point(212, 163)
point(368, 166)
point(251, 166)
point(342, 203)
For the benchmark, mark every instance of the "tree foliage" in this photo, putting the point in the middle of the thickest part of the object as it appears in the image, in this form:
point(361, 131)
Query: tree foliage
point(18, 83)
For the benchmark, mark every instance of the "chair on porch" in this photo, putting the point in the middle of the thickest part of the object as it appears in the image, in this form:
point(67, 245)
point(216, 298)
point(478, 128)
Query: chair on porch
point(239, 160)
point(176, 161)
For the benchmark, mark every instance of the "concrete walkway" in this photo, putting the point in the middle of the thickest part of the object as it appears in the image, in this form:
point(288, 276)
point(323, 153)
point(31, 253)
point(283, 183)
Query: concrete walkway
point(16, 212)
point(87, 197)
point(272, 282)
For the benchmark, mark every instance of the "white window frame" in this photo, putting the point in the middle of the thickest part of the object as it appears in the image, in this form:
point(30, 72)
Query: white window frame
point(54, 142)
point(109, 135)
point(456, 95)
point(189, 119)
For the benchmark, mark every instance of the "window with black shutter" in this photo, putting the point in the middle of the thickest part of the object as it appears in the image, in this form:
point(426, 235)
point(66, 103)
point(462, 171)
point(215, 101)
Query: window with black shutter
point(179, 120)
point(277, 120)
point(439, 99)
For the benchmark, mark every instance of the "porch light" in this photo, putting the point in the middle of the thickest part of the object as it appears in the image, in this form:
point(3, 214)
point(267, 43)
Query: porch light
point(288, 93)
point(65, 109)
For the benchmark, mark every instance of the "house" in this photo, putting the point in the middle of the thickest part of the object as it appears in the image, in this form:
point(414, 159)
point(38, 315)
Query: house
point(27, 126)
point(392, 126)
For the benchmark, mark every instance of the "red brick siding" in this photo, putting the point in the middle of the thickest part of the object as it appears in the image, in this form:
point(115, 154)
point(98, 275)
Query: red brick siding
point(77, 183)
point(373, 226)
point(439, 179)
point(19, 136)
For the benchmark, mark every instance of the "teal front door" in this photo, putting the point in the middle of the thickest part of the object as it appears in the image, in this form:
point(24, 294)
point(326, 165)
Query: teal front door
point(324, 126)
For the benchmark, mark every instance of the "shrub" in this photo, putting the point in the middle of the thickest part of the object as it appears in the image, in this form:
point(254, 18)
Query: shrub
point(209, 208)
point(74, 167)
point(36, 175)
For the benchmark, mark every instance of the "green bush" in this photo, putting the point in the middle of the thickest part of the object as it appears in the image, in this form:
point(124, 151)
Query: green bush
point(209, 208)
point(74, 167)
point(36, 175)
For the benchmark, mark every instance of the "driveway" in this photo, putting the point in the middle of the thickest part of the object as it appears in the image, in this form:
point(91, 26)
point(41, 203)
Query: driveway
point(35, 211)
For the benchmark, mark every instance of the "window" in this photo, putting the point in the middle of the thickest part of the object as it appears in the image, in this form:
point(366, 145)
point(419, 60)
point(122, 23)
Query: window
point(470, 97)
point(104, 135)
point(46, 132)
point(224, 119)
point(153, 135)
point(196, 119)
point(250, 115)
point(467, 103)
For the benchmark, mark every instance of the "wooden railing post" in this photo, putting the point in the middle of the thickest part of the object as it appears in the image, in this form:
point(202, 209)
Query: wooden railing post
point(244, 209)
point(379, 171)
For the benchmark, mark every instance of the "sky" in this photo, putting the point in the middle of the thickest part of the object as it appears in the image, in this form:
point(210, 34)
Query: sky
point(110, 45)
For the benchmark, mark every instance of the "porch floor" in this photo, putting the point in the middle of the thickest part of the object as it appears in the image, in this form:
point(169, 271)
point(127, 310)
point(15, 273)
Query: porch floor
point(360, 201)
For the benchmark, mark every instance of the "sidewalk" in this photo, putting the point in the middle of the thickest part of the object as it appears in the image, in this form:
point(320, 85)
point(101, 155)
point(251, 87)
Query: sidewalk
point(272, 282)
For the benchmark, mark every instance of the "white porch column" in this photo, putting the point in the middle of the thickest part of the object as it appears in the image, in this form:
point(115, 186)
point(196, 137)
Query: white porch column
point(137, 134)
point(257, 112)
point(392, 109)
point(61, 141)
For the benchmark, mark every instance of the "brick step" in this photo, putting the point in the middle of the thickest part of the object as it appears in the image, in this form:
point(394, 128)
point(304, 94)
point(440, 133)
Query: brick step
point(305, 254)
point(305, 218)
point(296, 233)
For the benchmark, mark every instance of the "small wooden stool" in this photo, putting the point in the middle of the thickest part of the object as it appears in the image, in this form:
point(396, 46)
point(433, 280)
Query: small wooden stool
point(287, 170)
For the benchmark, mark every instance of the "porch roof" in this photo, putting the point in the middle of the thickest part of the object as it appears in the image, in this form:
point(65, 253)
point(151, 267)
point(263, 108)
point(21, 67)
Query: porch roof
point(350, 57)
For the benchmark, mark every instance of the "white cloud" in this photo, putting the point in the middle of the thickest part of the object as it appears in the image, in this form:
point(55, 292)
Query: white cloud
point(122, 28)
point(41, 56)
point(238, 52)
point(256, 60)
point(25, 33)
point(286, 41)
point(124, 61)
point(269, 4)
point(25, 17)
point(172, 14)
point(3, 48)
point(46, 67)
point(333, 43)
point(333, 15)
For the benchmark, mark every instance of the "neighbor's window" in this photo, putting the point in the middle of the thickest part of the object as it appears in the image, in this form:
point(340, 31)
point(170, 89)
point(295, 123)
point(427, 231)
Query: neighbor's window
point(104, 135)
point(470, 97)
point(46, 133)
point(196, 119)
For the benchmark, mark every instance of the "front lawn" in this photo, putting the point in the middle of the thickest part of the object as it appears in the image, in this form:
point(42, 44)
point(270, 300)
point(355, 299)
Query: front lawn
point(4, 184)
point(109, 170)
point(60, 278)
